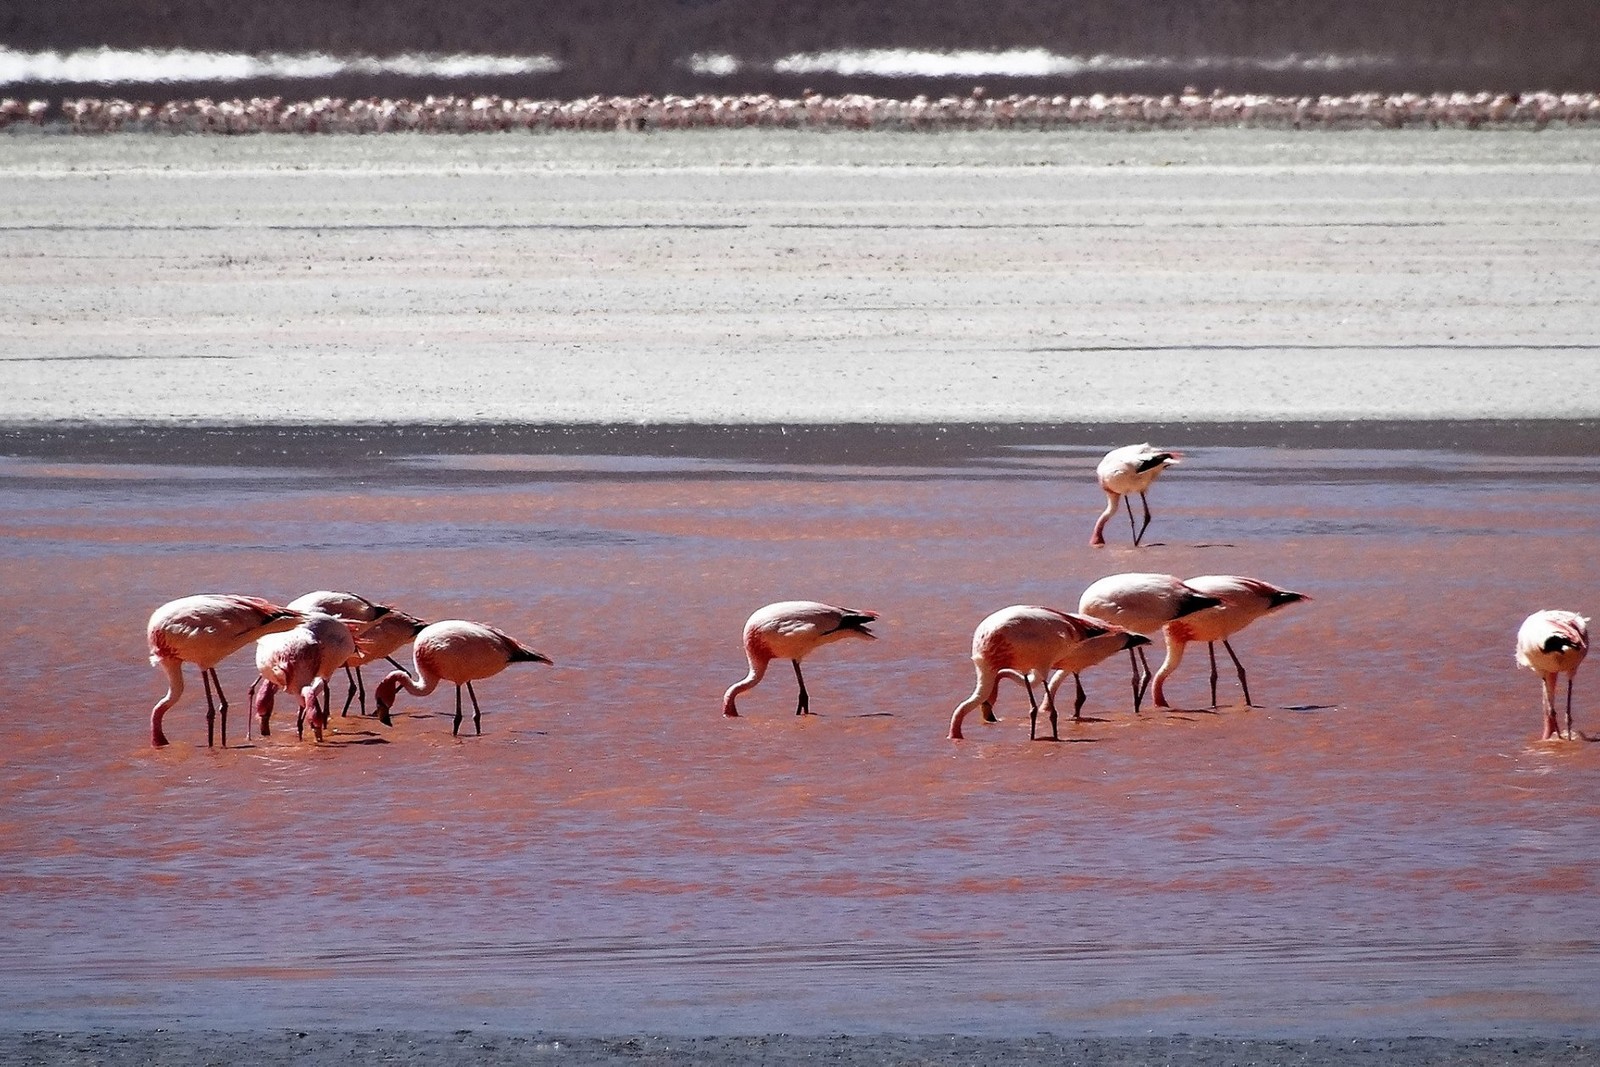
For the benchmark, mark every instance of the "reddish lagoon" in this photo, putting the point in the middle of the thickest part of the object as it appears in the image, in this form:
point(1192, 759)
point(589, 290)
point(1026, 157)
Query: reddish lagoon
point(1381, 848)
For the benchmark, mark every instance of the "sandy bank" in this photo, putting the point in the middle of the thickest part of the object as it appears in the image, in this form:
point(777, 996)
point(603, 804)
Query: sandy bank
point(788, 278)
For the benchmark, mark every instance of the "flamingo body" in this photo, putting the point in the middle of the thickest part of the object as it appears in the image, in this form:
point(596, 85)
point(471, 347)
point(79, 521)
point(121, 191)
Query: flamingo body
point(792, 630)
point(301, 661)
point(1242, 602)
point(1552, 643)
point(206, 629)
point(1036, 644)
point(459, 652)
point(353, 607)
point(1143, 603)
point(1123, 472)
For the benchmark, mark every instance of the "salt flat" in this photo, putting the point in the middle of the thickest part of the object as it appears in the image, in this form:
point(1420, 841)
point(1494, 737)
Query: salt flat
point(722, 278)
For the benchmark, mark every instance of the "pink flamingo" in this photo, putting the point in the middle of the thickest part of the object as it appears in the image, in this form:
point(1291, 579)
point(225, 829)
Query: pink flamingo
point(460, 652)
point(1553, 643)
point(205, 630)
point(791, 630)
point(1034, 644)
point(1123, 472)
point(301, 661)
point(1143, 603)
point(1243, 601)
point(354, 608)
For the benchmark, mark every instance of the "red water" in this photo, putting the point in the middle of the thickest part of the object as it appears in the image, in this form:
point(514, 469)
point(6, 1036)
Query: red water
point(1382, 847)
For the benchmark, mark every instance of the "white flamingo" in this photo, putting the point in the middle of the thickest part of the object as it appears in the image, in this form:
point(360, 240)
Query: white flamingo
point(206, 629)
point(460, 652)
point(301, 661)
point(1034, 644)
point(791, 630)
point(1123, 472)
point(1553, 643)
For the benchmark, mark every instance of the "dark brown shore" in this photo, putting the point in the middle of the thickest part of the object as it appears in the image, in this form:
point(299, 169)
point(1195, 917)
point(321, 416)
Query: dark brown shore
point(177, 1048)
point(338, 446)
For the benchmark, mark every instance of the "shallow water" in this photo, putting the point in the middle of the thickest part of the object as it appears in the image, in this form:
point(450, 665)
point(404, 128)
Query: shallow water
point(1381, 848)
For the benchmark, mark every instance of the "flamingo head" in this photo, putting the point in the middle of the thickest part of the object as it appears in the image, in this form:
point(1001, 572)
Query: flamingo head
point(384, 696)
point(312, 709)
point(261, 700)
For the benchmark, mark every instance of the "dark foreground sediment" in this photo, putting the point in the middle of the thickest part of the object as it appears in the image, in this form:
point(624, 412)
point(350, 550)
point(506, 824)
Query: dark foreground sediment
point(328, 445)
point(172, 1048)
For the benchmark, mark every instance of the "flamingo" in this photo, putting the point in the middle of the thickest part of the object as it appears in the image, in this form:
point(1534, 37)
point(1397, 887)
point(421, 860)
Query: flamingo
point(1243, 601)
point(205, 630)
point(460, 652)
point(1143, 603)
point(355, 608)
point(1553, 643)
point(792, 629)
point(301, 661)
point(1123, 472)
point(1033, 644)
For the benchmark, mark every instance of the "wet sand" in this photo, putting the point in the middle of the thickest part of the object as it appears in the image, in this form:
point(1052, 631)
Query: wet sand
point(1380, 850)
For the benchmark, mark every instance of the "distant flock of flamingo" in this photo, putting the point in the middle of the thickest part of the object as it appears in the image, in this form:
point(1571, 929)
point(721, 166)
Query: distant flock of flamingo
point(975, 111)
point(300, 646)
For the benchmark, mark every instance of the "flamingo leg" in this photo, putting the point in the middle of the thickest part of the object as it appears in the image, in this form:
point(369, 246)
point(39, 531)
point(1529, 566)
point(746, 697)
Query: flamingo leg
point(1077, 705)
point(1548, 690)
point(211, 709)
point(804, 707)
point(1211, 649)
point(477, 715)
point(1243, 684)
point(1131, 527)
point(1141, 675)
point(1143, 500)
point(1138, 691)
point(354, 678)
point(1569, 704)
point(1050, 706)
point(222, 706)
point(456, 728)
point(1033, 716)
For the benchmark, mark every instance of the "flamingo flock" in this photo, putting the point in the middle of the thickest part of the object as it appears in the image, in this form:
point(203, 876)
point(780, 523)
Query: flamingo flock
point(300, 646)
point(809, 110)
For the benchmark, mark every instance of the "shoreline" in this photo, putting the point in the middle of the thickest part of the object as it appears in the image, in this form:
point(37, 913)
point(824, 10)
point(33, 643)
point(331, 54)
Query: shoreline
point(463, 1046)
point(868, 443)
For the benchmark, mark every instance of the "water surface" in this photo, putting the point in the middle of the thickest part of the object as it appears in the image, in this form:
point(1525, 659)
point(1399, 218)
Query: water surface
point(1381, 848)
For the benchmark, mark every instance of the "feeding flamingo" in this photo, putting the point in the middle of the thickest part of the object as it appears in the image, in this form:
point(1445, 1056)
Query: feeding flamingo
point(205, 630)
point(1034, 644)
point(791, 630)
point(1553, 643)
point(355, 608)
point(459, 652)
point(1123, 472)
point(1243, 601)
point(301, 661)
point(1143, 603)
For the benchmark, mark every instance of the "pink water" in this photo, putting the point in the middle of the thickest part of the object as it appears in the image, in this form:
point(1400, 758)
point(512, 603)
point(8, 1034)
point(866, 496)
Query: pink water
point(1382, 847)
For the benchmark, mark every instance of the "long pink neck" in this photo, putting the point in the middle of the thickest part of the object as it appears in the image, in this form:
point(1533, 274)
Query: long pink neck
point(420, 686)
point(758, 668)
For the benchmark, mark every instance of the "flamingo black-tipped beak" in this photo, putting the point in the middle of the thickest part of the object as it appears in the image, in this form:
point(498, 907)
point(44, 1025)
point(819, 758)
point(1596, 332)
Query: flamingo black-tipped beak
point(383, 717)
